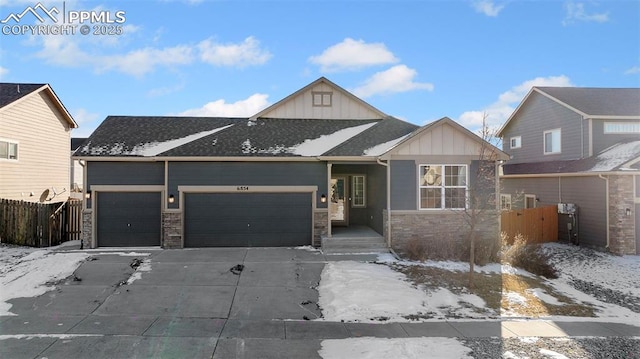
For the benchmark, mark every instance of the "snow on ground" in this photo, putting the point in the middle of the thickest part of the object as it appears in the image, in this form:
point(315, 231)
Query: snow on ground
point(29, 272)
point(383, 348)
point(145, 266)
point(366, 292)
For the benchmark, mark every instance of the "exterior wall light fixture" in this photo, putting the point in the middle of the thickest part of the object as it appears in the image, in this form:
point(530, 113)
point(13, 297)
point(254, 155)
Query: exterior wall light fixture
point(323, 198)
point(172, 198)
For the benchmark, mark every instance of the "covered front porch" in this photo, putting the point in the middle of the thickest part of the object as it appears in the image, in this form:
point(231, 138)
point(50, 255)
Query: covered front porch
point(356, 200)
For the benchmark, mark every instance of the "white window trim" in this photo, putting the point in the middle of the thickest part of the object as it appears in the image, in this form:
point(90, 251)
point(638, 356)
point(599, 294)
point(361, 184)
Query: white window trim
point(507, 198)
point(322, 95)
point(17, 143)
point(364, 191)
point(611, 123)
point(544, 141)
point(442, 194)
point(518, 140)
point(527, 196)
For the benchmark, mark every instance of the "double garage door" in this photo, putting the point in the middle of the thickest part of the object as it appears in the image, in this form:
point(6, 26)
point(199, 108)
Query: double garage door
point(247, 219)
point(210, 219)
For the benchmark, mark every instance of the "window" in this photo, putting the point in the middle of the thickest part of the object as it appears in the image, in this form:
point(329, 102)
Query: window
point(622, 127)
point(529, 201)
point(322, 99)
point(8, 150)
point(443, 186)
point(552, 141)
point(516, 142)
point(505, 202)
point(358, 188)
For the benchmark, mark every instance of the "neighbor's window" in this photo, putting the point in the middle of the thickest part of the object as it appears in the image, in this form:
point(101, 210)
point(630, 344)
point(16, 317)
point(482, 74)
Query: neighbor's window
point(8, 150)
point(443, 186)
point(530, 201)
point(516, 142)
point(358, 188)
point(552, 141)
point(322, 99)
point(505, 202)
point(622, 127)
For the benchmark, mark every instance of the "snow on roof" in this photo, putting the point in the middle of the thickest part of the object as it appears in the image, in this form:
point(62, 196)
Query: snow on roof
point(616, 155)
point(155, 148)
point(383, 147)
point(322, 144)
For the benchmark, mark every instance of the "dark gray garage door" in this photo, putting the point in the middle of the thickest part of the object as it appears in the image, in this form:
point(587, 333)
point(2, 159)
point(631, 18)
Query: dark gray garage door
point(247, 219)
point(128, 219)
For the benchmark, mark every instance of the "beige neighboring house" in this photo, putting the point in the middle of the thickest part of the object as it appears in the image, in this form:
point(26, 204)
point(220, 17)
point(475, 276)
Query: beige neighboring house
point(35, 132)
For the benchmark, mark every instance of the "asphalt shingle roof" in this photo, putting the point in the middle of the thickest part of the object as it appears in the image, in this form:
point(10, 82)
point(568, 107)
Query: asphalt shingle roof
point(10, 92)
point(599, 101)
point(125, 136)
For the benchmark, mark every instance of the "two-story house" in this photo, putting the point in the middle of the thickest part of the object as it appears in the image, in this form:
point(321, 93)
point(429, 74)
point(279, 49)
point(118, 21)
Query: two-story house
point(580, 146)
point(35, 131)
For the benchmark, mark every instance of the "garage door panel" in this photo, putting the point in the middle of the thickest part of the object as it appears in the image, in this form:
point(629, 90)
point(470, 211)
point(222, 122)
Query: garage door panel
point(126, 219)
point(247, 219)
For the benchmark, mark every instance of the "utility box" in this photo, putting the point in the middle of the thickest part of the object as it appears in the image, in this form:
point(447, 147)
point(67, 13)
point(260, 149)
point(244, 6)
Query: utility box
point(568, 222)
point(567, 208)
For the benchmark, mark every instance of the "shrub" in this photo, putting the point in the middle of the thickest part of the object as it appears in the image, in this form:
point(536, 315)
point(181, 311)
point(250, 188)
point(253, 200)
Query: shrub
point(528, 257)
point(434, 248)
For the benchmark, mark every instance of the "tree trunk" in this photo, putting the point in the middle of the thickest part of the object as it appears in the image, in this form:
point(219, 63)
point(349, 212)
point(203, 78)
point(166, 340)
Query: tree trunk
point(472, 257)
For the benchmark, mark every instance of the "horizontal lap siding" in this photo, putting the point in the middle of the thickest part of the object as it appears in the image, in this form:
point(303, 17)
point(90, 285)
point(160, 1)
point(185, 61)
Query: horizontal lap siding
point(537, 115)
point(602, 141)
point(44, 143)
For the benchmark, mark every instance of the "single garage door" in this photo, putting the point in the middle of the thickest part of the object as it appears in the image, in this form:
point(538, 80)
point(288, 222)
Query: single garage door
point(247, 219)
point(127, 219)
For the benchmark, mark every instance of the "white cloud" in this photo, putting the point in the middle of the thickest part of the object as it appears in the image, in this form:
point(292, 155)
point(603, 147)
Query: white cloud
point(243, 54)
point(487, 7)
point(85, 120)
point(499, 111)
point(142, 61)
point(3, 71)
point(166, 90)
point(576, 12)
point(353, 54)
point(632, 71)
point(399, 78)
point(242, 108)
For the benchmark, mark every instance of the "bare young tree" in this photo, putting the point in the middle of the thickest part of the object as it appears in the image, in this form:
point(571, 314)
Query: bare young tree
point(481, 213)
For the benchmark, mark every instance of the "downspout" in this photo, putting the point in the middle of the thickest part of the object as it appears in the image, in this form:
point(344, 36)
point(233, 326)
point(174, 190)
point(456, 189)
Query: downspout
point(329, 166)
point(606, 201)
point(83, 164)
point(388, 199)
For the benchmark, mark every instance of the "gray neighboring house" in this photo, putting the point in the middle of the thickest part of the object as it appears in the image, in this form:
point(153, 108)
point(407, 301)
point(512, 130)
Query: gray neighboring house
point(581, 146)
point(317, 161)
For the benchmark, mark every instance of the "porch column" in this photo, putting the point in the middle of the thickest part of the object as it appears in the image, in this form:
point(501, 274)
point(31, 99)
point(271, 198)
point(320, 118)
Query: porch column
point(329, 165)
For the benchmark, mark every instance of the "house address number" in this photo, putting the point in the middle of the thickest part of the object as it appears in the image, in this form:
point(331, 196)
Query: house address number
point(242, 188)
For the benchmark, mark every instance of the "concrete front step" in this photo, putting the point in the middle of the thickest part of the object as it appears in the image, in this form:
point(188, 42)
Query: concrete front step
point(354, 245)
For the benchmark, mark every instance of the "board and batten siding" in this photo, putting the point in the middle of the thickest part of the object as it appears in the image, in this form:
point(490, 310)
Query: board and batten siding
point(443, 139)
point(44, 140)
point(247, 174)
point(540, 114)
point(588, 193)
point(343, 107)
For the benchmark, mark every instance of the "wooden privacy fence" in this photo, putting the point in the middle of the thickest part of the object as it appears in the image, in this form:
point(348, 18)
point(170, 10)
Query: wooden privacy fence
point(39, 224)
point(537, 225)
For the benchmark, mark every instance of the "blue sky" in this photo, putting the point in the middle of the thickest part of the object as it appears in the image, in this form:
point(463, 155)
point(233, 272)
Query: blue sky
point(415, 60)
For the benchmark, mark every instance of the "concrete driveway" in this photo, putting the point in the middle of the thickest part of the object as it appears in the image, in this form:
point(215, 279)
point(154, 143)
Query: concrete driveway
point(189, 305)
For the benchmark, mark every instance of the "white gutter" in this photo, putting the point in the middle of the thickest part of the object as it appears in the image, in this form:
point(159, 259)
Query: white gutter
point(606, 205)
point(388, 199)
point(572, 174)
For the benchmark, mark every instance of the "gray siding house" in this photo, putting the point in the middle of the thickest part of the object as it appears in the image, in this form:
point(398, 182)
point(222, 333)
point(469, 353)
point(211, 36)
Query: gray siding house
point(579, 146)
point(318, 161)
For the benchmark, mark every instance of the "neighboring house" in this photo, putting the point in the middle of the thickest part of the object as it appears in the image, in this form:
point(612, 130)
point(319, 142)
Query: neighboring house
point(579, 146)
point(75, 170)
point(289, 175)
point(35, 132)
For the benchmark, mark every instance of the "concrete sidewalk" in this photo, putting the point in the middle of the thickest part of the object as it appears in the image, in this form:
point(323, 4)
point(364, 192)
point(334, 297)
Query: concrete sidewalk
point(191, 305)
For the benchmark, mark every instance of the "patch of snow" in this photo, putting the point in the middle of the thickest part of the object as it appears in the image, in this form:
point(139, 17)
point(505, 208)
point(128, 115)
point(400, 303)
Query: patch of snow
point(383, 147)
point(407, 348)
point(543, 296)
point(453, 266)
point(616, 155)
point(247, 148)
point(25, 272)
point(155, 148)
point(529, 340)
point(251, 123)
point(515, 298)
point(125, 254)
point(509, 355)
point(58, 336)
point(275, 150)
point(308, 248)
point(145, 266)
point(551, 354)
point(322, 144)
